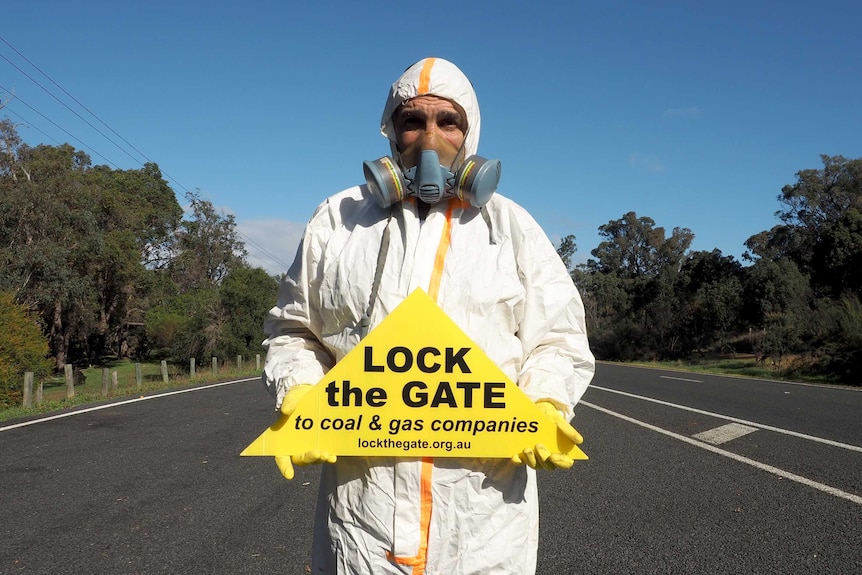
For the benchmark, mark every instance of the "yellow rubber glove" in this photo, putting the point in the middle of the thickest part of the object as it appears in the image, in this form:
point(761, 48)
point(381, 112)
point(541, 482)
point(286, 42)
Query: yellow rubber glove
point(540, 457)
point(550, 410)
point(285, 463)
point(292, 397)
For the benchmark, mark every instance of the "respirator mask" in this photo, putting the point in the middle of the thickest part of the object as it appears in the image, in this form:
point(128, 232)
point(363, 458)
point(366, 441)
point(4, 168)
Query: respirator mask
point(475, 181)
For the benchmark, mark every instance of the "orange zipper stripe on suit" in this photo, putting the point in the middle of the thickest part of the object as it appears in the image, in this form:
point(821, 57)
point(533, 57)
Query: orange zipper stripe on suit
point(419, 561)
point(442, 248)
point(425, 76)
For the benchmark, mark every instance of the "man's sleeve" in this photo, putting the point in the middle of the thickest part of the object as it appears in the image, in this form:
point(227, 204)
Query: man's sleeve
point(558, 364)
point(295, 354)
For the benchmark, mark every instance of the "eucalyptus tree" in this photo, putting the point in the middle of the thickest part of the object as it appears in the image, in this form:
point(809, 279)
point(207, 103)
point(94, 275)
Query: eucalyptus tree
point(137, 213)
point(77, 242)
point(806, 280)
point(207, 247)
point(218, 302)
point(821, 229)
point(48, 234)
point(709, 291)
point(630, 282)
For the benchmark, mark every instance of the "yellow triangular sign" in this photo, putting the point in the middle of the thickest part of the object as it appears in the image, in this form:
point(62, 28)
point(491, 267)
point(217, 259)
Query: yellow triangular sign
point(416, 386)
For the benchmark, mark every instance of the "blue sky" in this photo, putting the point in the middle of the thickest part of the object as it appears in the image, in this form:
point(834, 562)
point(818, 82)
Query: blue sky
point(693, 114)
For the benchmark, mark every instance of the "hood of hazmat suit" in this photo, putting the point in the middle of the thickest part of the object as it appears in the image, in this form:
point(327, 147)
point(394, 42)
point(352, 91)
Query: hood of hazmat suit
point(434, 77)
point(496, 274)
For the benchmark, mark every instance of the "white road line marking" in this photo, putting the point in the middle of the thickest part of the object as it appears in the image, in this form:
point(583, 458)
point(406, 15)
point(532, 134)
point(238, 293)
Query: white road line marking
point(762, 466)
point(736, 419)
point(724, 433)
point(681, 379)
point(119, 403)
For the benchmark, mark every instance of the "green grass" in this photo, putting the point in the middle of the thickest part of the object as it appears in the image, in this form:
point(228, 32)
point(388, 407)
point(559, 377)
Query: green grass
point(91, 391)
point(741, 365)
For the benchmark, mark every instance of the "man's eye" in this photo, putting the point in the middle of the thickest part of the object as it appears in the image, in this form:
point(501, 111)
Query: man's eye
point(449, 122)
point(412, 122)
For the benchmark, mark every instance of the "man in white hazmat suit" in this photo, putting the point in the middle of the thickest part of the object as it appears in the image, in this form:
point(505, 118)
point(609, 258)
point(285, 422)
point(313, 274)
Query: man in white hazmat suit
point(495, 273)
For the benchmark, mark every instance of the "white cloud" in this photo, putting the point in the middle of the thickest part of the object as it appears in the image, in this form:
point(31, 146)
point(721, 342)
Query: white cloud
point(648, 162)
point(271, 243)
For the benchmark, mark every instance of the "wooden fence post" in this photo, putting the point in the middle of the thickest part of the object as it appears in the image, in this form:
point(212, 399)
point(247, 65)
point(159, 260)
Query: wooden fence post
point(238, 363)
point(105, 379)
point(139, 376)
point(39, 393)
point(115, 382)
point(164, 371)
point(69, 374)
point(192, 368)
point(215, 366)
point(28, 389)
point(257, 361)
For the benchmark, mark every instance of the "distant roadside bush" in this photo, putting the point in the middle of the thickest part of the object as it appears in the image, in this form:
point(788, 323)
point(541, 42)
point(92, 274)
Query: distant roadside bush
point(22, 349)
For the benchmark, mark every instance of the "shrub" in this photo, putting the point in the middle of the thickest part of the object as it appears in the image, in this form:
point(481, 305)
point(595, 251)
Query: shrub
point(22, 348)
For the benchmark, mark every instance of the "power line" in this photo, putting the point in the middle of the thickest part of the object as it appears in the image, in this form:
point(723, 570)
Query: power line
point(70, 109)
point(247, 239)
point(30, 124)
point(17, 98)
point(136, 160)
point(272, 258)
point(73, 98)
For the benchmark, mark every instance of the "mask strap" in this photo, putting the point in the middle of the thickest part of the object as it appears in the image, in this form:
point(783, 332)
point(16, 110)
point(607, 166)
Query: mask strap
point(365, 322)
point(460, 154)
point(487, 217)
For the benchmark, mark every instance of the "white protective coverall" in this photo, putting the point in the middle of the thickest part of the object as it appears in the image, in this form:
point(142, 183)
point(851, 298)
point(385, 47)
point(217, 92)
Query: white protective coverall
point(501, 281)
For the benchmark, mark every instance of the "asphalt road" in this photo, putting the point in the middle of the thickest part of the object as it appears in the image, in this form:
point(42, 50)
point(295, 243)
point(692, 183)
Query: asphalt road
point(156, 486)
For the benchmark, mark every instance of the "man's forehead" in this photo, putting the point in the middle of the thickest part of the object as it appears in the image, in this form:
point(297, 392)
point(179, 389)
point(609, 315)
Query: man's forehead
point(428, 102)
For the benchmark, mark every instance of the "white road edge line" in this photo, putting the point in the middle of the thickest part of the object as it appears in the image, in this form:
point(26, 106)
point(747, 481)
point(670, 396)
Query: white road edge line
point(735, 419)
point(126, 402)
point(681, 379)
point(762, 466)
